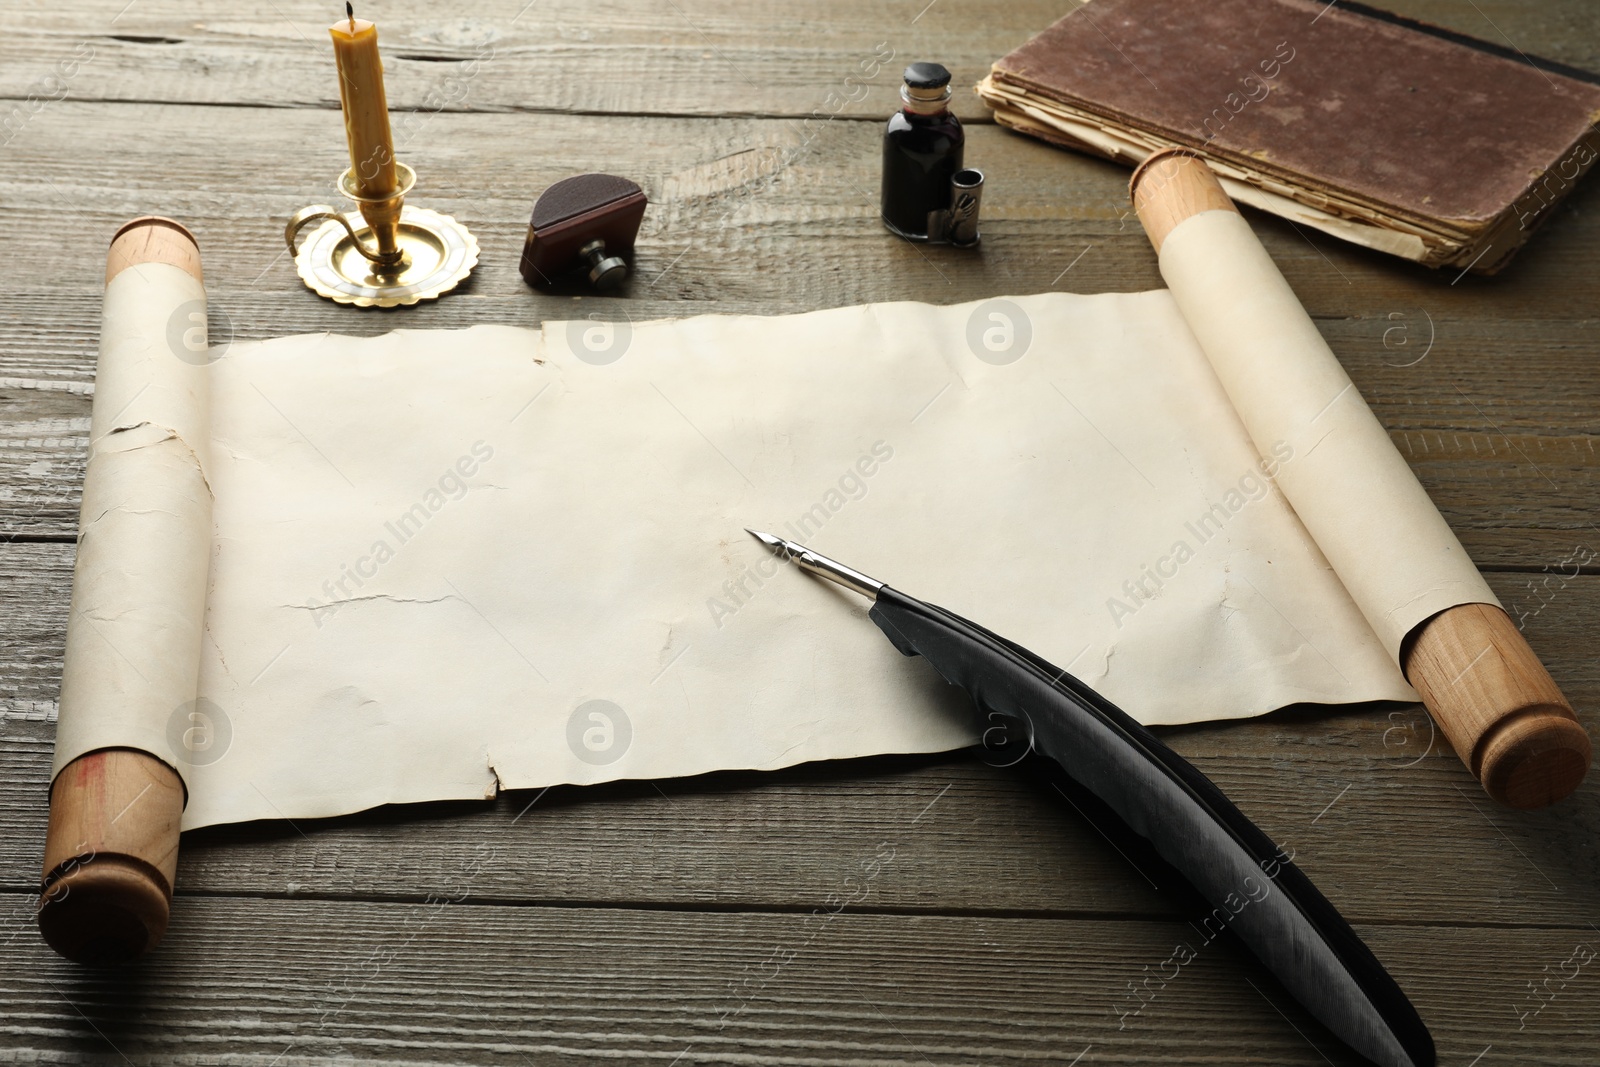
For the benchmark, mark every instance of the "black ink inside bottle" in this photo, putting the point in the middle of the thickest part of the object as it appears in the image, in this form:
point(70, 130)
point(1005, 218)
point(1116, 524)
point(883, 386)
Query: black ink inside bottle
point(922, 150)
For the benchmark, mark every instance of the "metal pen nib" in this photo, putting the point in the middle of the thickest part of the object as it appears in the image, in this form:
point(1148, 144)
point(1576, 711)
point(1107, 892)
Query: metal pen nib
point(819, 564)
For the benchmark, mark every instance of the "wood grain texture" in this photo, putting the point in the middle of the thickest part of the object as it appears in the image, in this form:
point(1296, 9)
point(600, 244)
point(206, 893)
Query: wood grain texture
point(1317, 780)
point(459, 981)
point(1498, 706)
point(1479, 382)
point(708, 57)
point(639, 922)
point(153, 239)
point(691, 57)
point(1169, 187)
point(110, 854)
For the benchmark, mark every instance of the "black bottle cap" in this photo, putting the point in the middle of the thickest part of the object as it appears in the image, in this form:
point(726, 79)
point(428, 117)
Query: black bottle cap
point(927, 76)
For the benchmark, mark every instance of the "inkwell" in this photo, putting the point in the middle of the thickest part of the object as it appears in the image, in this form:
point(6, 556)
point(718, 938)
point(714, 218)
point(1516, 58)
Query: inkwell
point(927, 194)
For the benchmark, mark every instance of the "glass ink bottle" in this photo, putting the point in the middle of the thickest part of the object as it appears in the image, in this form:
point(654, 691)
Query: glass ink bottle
point(922, 150)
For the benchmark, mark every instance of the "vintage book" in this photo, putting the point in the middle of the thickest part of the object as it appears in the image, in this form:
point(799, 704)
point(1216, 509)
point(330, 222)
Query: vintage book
point(1377, 129)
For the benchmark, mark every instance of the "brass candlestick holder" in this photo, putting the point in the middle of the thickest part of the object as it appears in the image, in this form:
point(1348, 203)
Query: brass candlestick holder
point(386, 254)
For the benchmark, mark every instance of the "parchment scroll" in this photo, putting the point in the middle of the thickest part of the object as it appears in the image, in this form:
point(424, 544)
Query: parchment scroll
point(443, 563)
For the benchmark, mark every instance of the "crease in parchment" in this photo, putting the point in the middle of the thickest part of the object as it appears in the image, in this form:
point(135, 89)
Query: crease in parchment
point(387, 598)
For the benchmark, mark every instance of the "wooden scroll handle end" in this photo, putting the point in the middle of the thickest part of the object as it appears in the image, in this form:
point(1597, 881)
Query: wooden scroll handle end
point(1172, 185)
point(1498, 705)
point(153, 239)
point(110, 856)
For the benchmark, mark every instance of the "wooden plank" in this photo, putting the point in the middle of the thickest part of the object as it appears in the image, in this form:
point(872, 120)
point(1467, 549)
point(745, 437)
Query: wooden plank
point(756, 216)
point(576, 56)
point(1377, 841)
point(702, 883)
point(1510, 457)
point(295, 982)
point(35, 590)
point(690, 57)
point(1320, 782)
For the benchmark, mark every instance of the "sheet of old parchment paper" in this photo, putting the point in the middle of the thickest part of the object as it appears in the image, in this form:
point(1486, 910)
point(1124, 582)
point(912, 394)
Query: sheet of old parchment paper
point(446, 562)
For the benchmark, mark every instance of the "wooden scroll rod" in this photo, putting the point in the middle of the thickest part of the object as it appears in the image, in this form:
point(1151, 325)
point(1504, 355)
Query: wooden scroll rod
point(1485, 688)
point(111, 850)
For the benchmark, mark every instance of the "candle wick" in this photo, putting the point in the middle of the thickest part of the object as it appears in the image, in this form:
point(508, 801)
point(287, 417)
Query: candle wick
point(350, 13)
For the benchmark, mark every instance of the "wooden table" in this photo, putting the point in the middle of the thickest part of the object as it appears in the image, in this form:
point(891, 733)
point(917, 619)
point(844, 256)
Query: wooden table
point(926, 910)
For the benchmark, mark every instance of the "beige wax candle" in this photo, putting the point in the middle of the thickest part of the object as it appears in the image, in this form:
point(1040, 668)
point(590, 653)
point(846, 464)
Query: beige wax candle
point(366, 109)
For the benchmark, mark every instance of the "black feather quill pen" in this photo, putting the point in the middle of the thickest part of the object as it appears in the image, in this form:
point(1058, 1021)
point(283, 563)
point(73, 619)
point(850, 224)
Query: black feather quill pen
point(1252, 888)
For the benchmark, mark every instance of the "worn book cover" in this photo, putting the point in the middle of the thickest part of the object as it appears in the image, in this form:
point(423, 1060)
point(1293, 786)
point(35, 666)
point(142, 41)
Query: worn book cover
point(1384, 131)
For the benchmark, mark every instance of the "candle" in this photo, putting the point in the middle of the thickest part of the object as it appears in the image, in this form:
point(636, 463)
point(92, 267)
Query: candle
point(366, 109)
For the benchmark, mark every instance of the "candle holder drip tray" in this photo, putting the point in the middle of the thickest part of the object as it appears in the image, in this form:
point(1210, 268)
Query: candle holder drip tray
point(385, 254)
